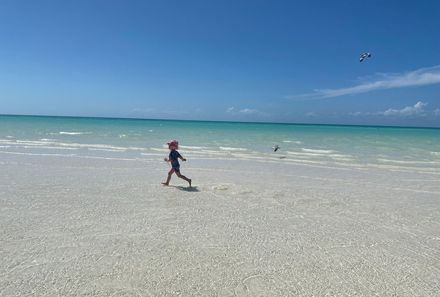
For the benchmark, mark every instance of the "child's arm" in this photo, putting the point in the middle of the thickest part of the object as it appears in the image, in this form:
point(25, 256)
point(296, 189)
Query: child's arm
point(180, 157)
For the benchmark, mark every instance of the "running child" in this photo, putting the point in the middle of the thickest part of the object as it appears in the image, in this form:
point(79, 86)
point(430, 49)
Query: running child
point(173, 158)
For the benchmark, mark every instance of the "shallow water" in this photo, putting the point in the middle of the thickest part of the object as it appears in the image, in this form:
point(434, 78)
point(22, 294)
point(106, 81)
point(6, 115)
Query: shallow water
point(395, 148)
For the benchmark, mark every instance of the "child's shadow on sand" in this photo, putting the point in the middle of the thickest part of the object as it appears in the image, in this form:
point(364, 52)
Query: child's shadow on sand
point(187, 189)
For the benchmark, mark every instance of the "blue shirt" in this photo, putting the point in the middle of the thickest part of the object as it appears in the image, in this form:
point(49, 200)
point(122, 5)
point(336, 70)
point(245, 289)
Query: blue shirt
point(174, 158)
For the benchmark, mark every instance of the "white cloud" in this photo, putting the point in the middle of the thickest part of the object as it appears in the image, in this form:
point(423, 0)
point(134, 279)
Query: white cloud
point(230, 110)
point(245, 111)
point(437, 112)
point(248, 111)
point(416, 109)
point(419, 77)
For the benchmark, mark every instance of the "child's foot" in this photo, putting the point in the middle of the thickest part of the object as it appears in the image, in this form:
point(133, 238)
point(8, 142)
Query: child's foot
point(165, 184)
point(190, 182)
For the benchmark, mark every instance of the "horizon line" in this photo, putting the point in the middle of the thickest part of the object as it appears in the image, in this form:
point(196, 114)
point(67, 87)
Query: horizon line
point(217, 121)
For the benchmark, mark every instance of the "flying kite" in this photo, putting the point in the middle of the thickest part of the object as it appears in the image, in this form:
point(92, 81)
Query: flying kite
point(363, 56)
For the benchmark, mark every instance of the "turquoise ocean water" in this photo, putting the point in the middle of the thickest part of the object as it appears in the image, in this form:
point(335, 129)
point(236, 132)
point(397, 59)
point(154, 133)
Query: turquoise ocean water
point(360, 146)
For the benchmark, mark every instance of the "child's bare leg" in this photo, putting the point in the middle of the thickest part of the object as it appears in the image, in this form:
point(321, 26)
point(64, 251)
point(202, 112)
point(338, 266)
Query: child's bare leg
point(168, 178)
point(184, 177)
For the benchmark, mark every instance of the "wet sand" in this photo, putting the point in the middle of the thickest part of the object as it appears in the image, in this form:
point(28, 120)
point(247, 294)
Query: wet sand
point(95, 227)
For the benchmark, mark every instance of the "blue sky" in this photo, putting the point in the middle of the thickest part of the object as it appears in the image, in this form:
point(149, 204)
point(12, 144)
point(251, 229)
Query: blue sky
point(277, 61)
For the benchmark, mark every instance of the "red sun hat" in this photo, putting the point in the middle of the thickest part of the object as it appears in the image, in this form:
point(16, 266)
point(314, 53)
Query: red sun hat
point(173, 144)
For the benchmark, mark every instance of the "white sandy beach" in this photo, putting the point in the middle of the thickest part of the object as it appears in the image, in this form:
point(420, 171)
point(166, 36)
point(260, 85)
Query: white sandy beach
point(73, 226)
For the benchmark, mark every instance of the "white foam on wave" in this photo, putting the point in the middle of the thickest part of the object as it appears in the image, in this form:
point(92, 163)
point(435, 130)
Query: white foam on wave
point(72, 133)
point(7, 141)
point(103, 147)
point(303, 154)
point(435, 153)
point(31, 142)
point(345, 159)
point(341, 157)
point(408, 162)
point(151, 154)
point(106, 150)
point(54, 144)
point(49, 147)
point(402, 168)
point(158, 149)
point(243, 156)
point(318, 151)
point(110, 158)
point(293, 141)
point(212, 153)
point(75, 156)
point(38, 154)
point(261, 158)
point(134, 148)
point(193, 147)
point(9, 136)
point(326, 155)
point(225, 148)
